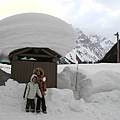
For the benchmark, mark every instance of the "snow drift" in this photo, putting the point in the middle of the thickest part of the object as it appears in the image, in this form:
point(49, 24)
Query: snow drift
point(12, 95)
point(93, 80)
point(103, 103)
point(35, 30)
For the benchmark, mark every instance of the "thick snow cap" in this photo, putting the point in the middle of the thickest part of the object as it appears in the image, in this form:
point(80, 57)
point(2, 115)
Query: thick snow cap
point(35, 30)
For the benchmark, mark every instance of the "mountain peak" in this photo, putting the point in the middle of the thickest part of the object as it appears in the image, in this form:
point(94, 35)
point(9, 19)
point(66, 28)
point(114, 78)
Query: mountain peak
point(89, 48)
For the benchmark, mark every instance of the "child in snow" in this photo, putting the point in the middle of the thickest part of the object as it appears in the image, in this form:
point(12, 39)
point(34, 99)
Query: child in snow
point(31, 91)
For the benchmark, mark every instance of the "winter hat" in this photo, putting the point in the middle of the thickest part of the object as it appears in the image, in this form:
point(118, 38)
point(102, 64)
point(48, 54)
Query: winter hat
point(40, 70)
point(33, 77)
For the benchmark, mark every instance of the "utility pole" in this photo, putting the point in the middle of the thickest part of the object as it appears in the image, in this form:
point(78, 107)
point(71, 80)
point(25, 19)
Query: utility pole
point(118, 54)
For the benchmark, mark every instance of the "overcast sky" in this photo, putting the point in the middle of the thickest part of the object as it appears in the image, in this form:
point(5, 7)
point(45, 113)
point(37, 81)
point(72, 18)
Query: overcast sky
point(101, 17)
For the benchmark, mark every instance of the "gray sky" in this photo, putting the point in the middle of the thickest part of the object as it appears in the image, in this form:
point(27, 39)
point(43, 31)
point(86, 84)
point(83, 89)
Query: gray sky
point(101, 17)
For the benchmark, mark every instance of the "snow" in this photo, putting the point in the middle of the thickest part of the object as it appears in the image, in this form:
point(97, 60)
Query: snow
point(91, 92)
point(97, 96)
point(35, 30)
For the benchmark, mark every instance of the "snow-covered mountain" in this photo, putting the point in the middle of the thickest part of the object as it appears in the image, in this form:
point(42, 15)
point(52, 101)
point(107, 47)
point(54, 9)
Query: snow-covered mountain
point(88, 48)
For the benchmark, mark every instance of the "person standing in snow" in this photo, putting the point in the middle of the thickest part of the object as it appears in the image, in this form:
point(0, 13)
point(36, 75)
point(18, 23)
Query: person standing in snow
point(31, 91)
point(42, 86)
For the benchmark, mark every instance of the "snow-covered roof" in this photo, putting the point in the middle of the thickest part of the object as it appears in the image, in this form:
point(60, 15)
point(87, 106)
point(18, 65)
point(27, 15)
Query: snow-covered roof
point(35, 30)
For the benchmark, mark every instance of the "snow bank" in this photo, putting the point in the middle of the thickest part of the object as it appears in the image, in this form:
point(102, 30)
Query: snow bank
point(89, 82)
point(11, 94)
point(67, 78)
point(57, 100)
point(102, 102)
point(105, 97)
point(62, 101)
point(103, 81)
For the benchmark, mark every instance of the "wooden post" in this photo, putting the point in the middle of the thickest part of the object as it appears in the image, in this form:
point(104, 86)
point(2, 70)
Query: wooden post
point(76, 77)
point(118, 54)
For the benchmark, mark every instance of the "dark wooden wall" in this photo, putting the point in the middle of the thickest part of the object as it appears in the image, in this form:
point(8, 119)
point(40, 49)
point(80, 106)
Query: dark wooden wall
point(22, 71)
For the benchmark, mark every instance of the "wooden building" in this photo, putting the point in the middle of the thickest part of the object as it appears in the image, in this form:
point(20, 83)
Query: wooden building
point(111, 55)
point(24, 60)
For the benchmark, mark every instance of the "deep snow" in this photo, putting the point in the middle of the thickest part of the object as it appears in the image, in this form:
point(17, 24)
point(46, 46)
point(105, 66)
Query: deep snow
point(35, 30)
point(97, 96)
